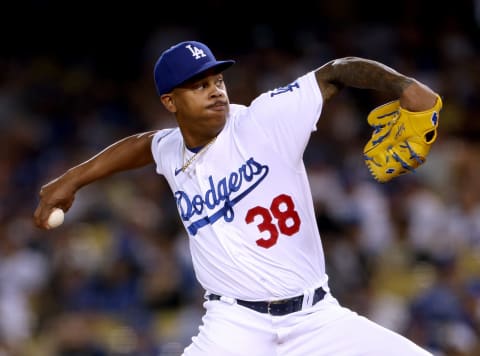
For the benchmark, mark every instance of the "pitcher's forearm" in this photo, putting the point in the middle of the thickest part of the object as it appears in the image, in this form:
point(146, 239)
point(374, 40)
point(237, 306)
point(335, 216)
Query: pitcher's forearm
point(129, 153)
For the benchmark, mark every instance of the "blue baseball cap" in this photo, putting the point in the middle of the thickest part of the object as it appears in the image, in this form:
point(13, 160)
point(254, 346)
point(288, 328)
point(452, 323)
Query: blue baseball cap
point(182, 62)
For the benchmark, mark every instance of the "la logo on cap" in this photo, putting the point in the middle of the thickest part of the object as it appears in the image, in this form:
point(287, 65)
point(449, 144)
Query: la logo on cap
point(196, 52)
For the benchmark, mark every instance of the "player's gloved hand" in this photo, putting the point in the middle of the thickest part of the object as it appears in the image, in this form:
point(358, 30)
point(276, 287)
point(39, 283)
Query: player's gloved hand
point(401, 139)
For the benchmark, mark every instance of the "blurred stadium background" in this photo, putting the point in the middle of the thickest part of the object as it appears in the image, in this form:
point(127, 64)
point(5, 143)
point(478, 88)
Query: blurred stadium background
point(116, 278)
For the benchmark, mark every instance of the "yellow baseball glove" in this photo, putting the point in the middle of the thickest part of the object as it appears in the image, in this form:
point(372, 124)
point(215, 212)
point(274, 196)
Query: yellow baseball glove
point(401, 139)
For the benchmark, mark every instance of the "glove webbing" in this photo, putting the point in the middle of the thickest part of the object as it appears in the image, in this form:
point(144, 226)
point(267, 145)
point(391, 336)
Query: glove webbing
point(413, 155)
point(397, 158)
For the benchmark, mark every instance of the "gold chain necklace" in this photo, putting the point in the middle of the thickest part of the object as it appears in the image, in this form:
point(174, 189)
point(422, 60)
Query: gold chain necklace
point(194, 157)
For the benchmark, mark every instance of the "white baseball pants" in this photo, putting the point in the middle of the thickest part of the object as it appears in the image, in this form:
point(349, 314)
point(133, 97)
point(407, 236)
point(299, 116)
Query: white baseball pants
point(325, 329)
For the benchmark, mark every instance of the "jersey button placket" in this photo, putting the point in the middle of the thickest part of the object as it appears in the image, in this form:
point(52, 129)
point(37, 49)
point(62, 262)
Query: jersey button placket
point(202, 181)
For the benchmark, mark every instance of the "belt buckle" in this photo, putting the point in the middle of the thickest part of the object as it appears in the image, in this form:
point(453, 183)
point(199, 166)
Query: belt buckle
point(270, 303)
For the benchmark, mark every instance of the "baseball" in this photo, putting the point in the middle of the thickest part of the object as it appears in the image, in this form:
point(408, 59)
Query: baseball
point(56, 218)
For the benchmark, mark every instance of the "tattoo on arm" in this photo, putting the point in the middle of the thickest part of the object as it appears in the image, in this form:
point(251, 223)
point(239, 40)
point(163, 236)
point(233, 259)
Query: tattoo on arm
point(367, 74)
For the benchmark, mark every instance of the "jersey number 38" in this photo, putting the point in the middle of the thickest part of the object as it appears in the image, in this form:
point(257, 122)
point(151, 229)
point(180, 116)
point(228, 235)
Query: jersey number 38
point(280, 218)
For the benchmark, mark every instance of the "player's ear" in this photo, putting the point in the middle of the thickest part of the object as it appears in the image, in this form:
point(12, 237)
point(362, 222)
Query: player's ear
point(168, 102)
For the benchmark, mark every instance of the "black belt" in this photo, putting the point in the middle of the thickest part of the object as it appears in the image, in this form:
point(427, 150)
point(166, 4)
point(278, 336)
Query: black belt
point(277, 307)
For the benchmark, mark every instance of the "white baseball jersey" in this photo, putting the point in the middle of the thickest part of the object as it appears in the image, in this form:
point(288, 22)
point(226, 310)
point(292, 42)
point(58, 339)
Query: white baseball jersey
point(245, 200)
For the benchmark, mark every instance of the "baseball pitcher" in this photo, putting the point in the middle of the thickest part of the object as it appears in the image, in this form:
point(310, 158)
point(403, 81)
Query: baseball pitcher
point(240, 185)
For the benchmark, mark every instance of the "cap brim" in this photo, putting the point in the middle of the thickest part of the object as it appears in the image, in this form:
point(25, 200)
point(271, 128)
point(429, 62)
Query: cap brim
point(218, 67)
